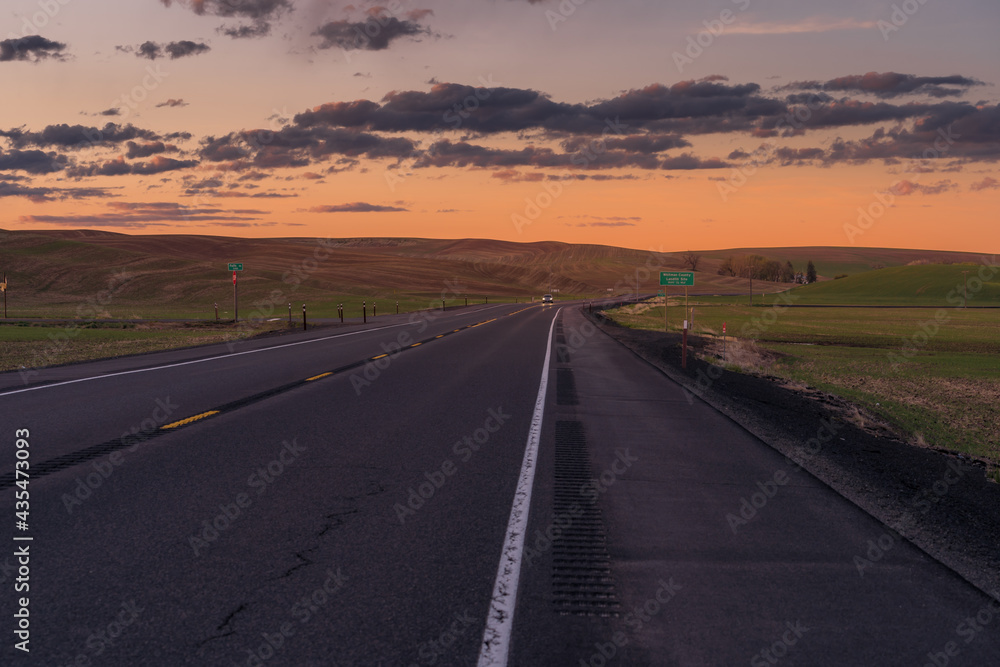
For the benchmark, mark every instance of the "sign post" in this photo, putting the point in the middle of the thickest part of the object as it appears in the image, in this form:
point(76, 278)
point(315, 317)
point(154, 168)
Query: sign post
point(675, 279)
point(234, 267)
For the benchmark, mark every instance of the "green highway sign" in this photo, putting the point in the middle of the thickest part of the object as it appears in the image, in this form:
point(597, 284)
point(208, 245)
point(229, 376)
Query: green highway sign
point(661, 293)
point(236, 266)
point(677, 278)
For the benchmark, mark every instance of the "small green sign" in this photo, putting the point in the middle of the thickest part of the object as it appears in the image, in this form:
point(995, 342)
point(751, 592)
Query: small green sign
point(236, 266)
point(677, 278)
point(661, 293)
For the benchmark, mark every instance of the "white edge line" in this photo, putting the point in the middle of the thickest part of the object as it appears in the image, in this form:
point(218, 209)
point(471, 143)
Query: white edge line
point(221, 356)
point(500, 619)
point(199, 361)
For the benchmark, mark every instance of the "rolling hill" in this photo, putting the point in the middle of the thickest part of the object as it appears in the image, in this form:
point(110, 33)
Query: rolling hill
point(51, 272)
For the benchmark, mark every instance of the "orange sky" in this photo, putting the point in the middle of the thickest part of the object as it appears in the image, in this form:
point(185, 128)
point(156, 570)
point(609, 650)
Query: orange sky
point(181, 89)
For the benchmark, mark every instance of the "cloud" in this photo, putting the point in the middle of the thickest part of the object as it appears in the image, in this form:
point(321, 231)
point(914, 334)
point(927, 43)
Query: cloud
point(371, 35)
point(32, 162)
point(906, 188)
point(153, 50)
point(32, 48)
point(892, 84)
point(42, 194)
point(120, 167)
point(612, 223)
point(172, 103)
point(356, 207)
point(136, 150)
point(809, 25)
point(988, 183)
point(137, 215)
point(77, 136)
point(260, 12)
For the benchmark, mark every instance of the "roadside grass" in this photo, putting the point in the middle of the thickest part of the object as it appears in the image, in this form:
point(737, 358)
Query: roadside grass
point(33, 346)
point(938, 386)
point(322, 306)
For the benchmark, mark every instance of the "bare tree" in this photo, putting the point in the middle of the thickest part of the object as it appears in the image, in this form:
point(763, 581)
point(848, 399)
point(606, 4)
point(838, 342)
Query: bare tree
point(691, 260)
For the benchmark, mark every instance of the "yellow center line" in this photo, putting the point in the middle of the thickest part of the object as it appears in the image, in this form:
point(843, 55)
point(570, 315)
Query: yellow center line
point(441, 336)
point(416, 344)
point(190, 419)
point(381, 356)
point(316, 377)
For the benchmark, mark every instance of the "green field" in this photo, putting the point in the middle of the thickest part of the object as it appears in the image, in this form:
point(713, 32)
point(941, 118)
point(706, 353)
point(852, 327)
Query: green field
point(32, 346)
point(933, 373)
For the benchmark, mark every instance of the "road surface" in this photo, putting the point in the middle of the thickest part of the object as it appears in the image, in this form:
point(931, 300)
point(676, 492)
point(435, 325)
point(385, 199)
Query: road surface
point(492, 485)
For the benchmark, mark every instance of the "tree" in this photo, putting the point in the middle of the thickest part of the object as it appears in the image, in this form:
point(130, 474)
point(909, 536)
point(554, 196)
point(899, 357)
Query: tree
point(788, 273)
point(810, 273)
point(691, 260)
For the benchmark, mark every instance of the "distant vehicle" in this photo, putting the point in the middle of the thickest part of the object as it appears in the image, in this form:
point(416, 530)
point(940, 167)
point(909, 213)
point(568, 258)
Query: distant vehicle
point(547, 298)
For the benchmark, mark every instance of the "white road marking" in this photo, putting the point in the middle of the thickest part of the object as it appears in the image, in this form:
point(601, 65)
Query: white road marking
point(221, 356)
point(500, 620)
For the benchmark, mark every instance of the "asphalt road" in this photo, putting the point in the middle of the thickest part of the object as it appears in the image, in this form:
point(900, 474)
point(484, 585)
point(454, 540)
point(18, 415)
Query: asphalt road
point(362, 517)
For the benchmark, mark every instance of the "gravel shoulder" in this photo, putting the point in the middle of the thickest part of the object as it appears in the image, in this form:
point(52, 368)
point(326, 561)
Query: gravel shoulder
point(941, 502)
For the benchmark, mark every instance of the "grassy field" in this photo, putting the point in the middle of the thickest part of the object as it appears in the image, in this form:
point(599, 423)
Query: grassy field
point(31, 346)
point(933, 373)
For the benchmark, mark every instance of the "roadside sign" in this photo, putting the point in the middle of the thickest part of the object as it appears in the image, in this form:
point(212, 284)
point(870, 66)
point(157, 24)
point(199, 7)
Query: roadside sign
point(723, 327)
point(661, 293)
point(677, 278)
point(236, 266)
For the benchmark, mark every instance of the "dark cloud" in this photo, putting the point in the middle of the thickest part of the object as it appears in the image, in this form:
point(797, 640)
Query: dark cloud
point(375, 34)
point(42, 194)
point(356, 207)
point(892, 84)
point(136, 150)
point(294, 146)
point(261, 13)
point(120, 167)
point(32, 162)
point(172, 103)
point(77, 136)
point(988, 183)
point(114, 111)
point(905, 188)
point(152, 50)
point(138, 215)
point(30, 48)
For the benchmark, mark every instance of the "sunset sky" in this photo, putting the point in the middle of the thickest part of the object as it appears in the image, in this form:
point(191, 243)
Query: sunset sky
point(637, 123)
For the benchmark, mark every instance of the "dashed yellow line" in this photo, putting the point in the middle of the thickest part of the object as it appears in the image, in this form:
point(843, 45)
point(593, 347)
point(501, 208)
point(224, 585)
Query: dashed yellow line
point(381, 356)
point(316, 377)
point(416, 344)
point(441, 336)
point(190, 419)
